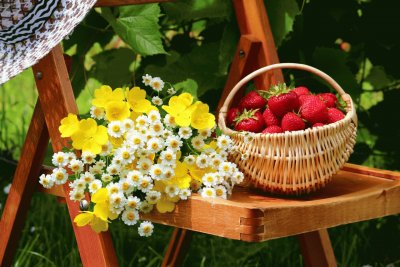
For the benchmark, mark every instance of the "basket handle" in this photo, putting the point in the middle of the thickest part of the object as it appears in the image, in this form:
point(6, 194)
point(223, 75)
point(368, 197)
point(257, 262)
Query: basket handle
point(323, 75)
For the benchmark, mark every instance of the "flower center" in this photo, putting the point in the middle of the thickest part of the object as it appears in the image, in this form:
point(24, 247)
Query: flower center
point(126, 155)
point(116, 128)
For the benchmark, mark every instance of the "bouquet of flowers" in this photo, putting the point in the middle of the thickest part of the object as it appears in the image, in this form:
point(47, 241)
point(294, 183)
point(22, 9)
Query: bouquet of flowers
point(134, 153)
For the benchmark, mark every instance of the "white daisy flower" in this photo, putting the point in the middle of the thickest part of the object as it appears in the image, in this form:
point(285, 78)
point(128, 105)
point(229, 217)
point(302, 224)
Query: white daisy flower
point(209, 179)
point(223, 154)
point(173, 142)
point(185, 132)
point(46, 180)
point(157, 128)
point(144, 165)
point(117, 161)
point(145, 184)
point(95, 170)
point(106, 178)
point(190, 160)
point(168, 157)
point(59, 159)
point(97, 113)
point(135, 176)
point(226, 168)
point(100, 164)
point(146, 228)
point(224, 142)
point(78, 184)
point(202, 161)
point(171, 91)
point(94, 186)
point(156, 172)
point(116, 129)
point(135, 139)
point(154, 115)
point(237, 177)
point(152, 197)
point(76, 195)
point(60, 175)
point(157, 101)
point(205, 133)
point(168, 172)
point(88, 157)
point(155, 144)
point(114, 169)
point(126, 185)
point(114, 188)
point(106, 149)
point(128, 124)
point(70, 156)
point(76, 165)
point(208, 192)
point(87, 177)
point(220, 191)
point(244, 156)
point(172, 190)
point(130, 217)
point(166, 133)
point(116, 210)
point(197, 142)
point(117, 200)
point(169, 121)
point(157, 84)
point(184, 194)
point(125, 154)
point(142, 121)
point(132, 203)
point(146, 207)
point(216, 160)
point(146, 79)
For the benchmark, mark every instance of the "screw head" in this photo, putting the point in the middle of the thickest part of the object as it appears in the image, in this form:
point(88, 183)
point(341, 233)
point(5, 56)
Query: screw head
point(242, 53)
point(39, 75)
point(84, 205)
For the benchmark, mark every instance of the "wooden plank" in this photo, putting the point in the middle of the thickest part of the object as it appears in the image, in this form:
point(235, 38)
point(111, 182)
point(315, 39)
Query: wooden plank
point(23, 185)
point(372, 171)
point(57, 100)
point(177, 248)
point(316, 249)
point(126, 2)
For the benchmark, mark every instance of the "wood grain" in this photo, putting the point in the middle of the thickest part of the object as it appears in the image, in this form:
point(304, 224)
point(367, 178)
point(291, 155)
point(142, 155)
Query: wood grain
point(177, 248)
point(316, 249)
point(126, 2)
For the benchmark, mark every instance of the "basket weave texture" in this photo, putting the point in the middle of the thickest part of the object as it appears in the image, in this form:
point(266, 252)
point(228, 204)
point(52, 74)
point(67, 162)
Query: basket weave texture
point(292, 162)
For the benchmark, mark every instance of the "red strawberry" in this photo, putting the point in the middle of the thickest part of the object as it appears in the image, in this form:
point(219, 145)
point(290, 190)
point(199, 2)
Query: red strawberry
point(329, 99)
point(273, 129)
point(301, 90)
point(270, 118)
point(292, 122)
point(250, 121)
point(232, 114)
point(283, 103)
point(252, 100)
point(303, 98)
point(318, 124)
point(314, 110)
point(334, 115)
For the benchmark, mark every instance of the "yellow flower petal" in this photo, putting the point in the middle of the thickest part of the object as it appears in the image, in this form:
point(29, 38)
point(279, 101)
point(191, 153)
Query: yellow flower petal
point(101, 195)
point(83, 218)
point(164, 205)
point(117, 111)
point(101, 210)
point(104, 94)
point(99, 225)
point(69, 125)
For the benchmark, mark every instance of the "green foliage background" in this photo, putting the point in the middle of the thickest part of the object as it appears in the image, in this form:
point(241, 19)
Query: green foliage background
point(191, 43)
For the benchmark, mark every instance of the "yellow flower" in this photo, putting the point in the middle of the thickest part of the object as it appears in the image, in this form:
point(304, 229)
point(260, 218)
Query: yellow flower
point(138, 102)
point(200, 118)
point(196, 173)
point(89, 136)
point(182, 178)
point(104, 95)
point(69, 125)
point(180, 108)
point(117, 111)
point(166, 203)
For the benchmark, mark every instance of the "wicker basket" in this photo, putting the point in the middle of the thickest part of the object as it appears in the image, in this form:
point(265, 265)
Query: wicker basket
point(293, 162)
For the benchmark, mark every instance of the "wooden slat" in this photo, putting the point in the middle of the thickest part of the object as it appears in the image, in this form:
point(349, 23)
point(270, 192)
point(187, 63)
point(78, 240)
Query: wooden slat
point(126, 2)
point(177, 248)
point(316, 249)
point(23, 185)
point(57, 100)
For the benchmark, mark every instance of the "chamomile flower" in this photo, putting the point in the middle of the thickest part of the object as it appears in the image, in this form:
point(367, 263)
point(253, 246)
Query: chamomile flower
point(209, 179)
point(146, 207)
point(144, 165)
point(173, 142)
point(157, 128)
point(168, 172)
point(220, 191)
point(60, 175)
point(94, 186)
point(172, 190)
point(46, 180)
point(205, 133)
point(157, 84)
point(126, 185)
point(106, 149)
point(156, 171)
point(76, 166)
point(135, 176)
point(113, 169)
point(142, 121)
point(117, 200)
point(146, 79)
point(237, 177)
point(169, 121)
point(152, 197)
point(105, 177)
point(166, 133)
point(208, 192)
point(76, 194)
point(155, 144)
point(88, 157)
point(202, 161)
point(59, 159)
point(125, 154)
point(135, 140)
point(226, 168)
point(224, 142)
point(95, 170)
point(116, 129)
point(154, 116)
point(157, 101)
point(78, 184)
point(223, 154)
point(132, 203)
point(70, 156)
point(216, 160)
point(145, 184)
point(128, 124)
point(146, 228)
point(114, 188)
point(185, 132)
point(184, 194)
point(97, 113)
point(87, 177)
point(190, 160)
point(100, 164)
point(197, 142)
point(168, 157)
point(171, 91)
point(130, 217)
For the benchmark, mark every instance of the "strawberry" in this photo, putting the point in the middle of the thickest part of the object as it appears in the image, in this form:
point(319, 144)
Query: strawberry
point(232, 114)
point(314, 110)
point(329, 99)
point(303, 98)
point(283, 103)
point(252, 100)
point(292, 122)
point(250, 121)
point(301, 90)
point(273, 129)
point(334, 115)
point(318, 124)
point(270, 118)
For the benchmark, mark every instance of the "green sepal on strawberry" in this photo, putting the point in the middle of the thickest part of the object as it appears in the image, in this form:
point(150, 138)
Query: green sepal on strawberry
point(231, 116)
point(252, 100)
point(282, 100)
point(250, 121)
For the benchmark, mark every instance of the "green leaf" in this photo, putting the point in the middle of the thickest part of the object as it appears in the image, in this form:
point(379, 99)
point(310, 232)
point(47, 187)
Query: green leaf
point(112, 67)
point(138, 26)
point(281, 14)
point(188, 86)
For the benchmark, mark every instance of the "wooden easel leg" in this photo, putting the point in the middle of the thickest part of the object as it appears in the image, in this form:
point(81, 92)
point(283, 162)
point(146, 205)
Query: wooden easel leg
point(177, 248)
point(317, 249)
point(24, 184)
point(57, 100)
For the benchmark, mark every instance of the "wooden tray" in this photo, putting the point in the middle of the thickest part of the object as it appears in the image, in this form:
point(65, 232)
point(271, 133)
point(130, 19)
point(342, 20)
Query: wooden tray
point(356, 193)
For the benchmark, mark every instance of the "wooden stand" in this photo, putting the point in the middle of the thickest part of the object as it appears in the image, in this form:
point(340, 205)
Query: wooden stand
point(356, 193)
